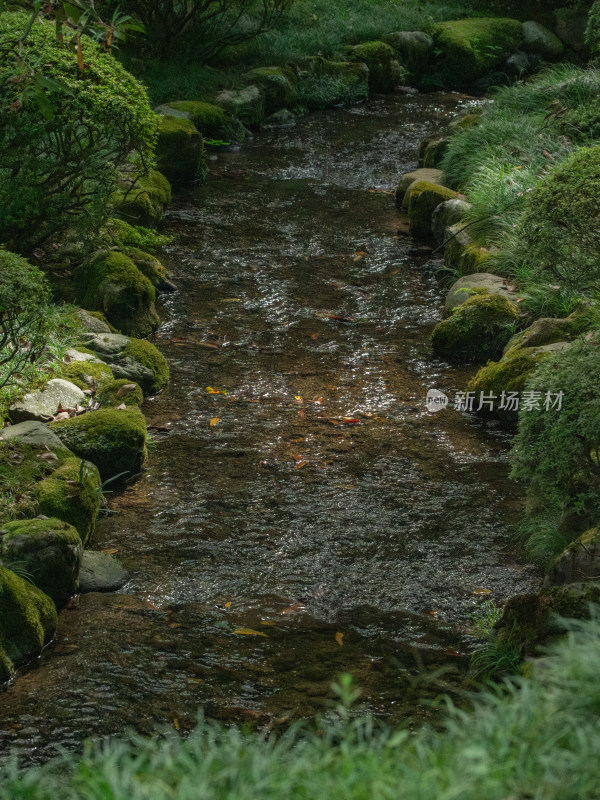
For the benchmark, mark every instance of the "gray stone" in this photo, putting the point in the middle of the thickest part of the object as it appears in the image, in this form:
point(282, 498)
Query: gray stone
point(571, 25)
point(555, 347)
point(538, 39)
point(447, 214)
point(248, 104)
point(43, 405)
point(32, 433)
point(479, 280)
point(407, 180)
point(579, 562)
point(101, 572)
point(544, 331)
point(110, 347)
point(413, 48)
point(517, 64)
point(77, 355)
point(92, 323)
point(284, 118)
point(108, 344)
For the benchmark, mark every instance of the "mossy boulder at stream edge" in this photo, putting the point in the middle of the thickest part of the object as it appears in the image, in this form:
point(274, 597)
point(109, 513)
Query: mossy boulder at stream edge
point(112, 439)
point(180, 150)
point(277, 84)
point(48, 550)
point(87, 374)
point(323, 83)
point(247, 105)
point(73, 494)
point(423, 198)
point(212, 121)
point(142, 200)
point(477, 330)
point(110, 282)
point(151, 267)
point(27, 622)
point(120, 392)
point(385, 72)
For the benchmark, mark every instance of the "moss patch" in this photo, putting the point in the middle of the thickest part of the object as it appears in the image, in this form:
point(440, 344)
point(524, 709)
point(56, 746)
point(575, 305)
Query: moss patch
point(73, 494)
point(278, 85)
point(114, 440)
point(180, 150)
point(213, 122)
point(20, 469)
point(149, 356)
point(424, 198)
point(117, 392)
point(49, 550)
point(477, 330)
point(507, 375)
point(86, 374)
point(144, 201)
point(385, 73)
point(27, 622)
point(110, 282)
point(149, 266)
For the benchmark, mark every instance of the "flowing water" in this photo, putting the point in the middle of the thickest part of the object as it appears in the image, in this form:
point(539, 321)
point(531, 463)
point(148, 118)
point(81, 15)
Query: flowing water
point(313, 499)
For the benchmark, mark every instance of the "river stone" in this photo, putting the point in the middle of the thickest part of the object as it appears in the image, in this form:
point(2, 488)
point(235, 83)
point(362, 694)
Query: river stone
point(414, 48)
point(92, 323)
point(555, 347)
point(284, 118)
point(544, 331)
point(42, 406)
point(109, 344)
point(407, 180)
point(248, 104)
point(571, 25)
point(538, 39)
point(516, 64)
point(32, 433)
point(494, 284)
point(579, 562)
point(447, 214)
point(101, 572)
point(77, 355)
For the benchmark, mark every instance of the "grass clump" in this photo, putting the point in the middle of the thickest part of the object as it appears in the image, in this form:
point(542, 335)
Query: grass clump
point(500, 749)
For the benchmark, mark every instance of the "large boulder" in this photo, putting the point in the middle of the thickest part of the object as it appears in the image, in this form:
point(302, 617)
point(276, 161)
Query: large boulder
point(180, 150)
point(44, 404)
point(120, 392)
point(101, 572)
point(571, 25)
point(152, 268)
point(112, 439)
point(410, 178)
point(579, 562)
point(414, 49)
point(212, 121)
point(448, 213)
point(431, 151)
point(33, 433)
point(48, 550)
point(142, 199)
point(136, 360)
point(73, 494)
point(423, 199)
point(110, 282)
point(277, 84)
point(247, 104)
point(468, 49)
point(538, 39)
point(463, 288)
point(477, 330)
point(93, 321)
point(385, 73)
point(87, 375)
point(27, 621)
point(323, 83)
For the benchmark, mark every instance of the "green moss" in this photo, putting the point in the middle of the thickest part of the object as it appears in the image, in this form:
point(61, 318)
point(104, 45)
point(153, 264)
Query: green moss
point(72, 494)
point(324, 83)
point(114, 440)
point(87, 374)
point(424, 198)
point(507, 375)
point(467, 49)
point(148, 355)
point(119, 232)
point(477, 330)
point(149, 266)
point(278, 85)
point(112, 394)
point(212, 121)
point(110, 282)
point(474, 259)
point(27, 622)
point(180, 150)
point(385, 73)
point(466, 122)
point(432, 151)
point(48, 549)
point(143, 200)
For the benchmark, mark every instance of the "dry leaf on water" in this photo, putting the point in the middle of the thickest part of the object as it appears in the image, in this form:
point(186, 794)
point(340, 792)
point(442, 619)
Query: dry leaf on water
point(300, 464)
point(481, 592)
point(249, 632)
point(293, 609)
point(339, 637)
point(214, 421)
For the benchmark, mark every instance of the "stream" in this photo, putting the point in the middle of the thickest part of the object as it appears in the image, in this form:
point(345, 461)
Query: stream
point(297, 490)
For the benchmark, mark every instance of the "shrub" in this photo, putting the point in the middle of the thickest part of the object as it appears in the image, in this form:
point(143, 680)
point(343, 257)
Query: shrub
point(58, 169)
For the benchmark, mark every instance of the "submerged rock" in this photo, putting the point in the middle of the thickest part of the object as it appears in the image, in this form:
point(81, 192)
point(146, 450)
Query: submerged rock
point(432, 151)
point(43, 405)
point(48, 550)
point(101, 572)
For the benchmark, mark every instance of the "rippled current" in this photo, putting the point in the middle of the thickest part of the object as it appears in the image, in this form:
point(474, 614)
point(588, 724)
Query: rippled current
point(351, 546)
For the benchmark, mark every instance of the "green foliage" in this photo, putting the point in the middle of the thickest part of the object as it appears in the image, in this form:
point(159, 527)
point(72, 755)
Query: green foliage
point(58, 170)
point(557, 453)
point(592, 33)
point(502, 748)
point(122, 233)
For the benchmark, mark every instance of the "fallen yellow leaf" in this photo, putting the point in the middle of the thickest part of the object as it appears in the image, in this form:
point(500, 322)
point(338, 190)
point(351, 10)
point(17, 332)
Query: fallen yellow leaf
point(176, 723)
point(298, 398)
point(267, 622)
point(249, 632)
point(214, 421)
point(300, 464)
point(339, 637)
point(111, 551)
point(228, 605)
point(480, 592)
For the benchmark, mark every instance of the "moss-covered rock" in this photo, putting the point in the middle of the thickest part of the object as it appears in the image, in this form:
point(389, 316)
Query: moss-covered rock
point(110, 282)
point(538, 39)
point(142, 200)
point(467, 49)
point(410, 178)
point(48, 550)
point(477, 330)
point(447, 214)
point(579, 562)
point(502, 378)
point(431, 151)
point(73, 494)
point(549, 330)
point(134, 359)
point(247, 104)
point(212, 121)
point(87, 374)
point(112, 439)
point(278, 85)
point(424, 197)
point(385, 72)
point(180, 150)
point(466, 121)
point(464, 287)
point(571, 26)
point(119, 392)
point(323, 83)
point(414, 49)
point(151, 267)
point(27, 621)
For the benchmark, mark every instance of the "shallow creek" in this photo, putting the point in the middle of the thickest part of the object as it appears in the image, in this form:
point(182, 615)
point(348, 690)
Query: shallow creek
point(351, 545)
